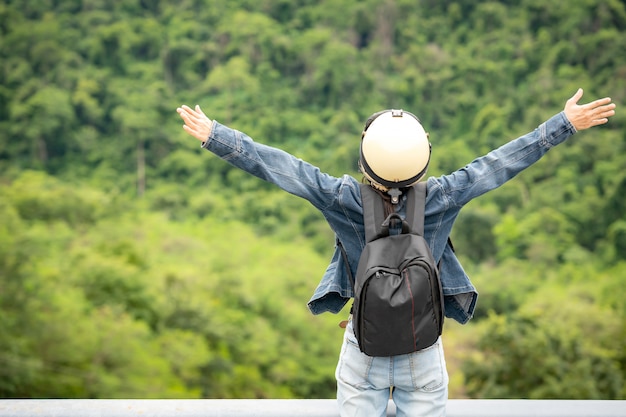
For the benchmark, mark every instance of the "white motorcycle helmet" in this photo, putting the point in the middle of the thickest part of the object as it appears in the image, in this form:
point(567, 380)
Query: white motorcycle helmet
point(395, 150)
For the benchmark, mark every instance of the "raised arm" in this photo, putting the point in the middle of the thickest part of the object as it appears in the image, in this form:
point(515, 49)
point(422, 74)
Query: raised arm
point(500, 165)
point(271, 164)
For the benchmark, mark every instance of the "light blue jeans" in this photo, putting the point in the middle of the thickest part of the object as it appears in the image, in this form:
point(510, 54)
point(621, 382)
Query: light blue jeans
point(418, 381)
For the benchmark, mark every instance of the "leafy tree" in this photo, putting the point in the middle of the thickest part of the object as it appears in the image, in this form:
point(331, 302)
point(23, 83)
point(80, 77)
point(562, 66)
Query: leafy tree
point(568, 340)
point(184, 292)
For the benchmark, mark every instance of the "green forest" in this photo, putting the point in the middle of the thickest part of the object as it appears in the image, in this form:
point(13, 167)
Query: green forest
point(134, 264)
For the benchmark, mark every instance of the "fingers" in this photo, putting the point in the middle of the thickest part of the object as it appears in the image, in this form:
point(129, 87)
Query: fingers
point(573, 101)
point(596, 122)
point(184, 109)
point(187, 117)
point(600, 102)
point(605, 111)
point(199, 110)
point(600, 114)
point(190, 116)
point(188, 113)
point(576, 97)
point(197, 124)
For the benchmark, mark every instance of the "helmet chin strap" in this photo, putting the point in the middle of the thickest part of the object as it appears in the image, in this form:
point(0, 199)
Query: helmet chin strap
point(395, 194)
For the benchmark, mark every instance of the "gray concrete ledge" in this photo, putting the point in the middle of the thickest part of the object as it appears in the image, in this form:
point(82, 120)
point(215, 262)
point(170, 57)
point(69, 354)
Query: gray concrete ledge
point(300, 408)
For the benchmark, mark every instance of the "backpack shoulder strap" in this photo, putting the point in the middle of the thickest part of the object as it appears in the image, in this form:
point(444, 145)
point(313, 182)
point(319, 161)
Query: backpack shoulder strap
point(373, 212)
point(416, 208)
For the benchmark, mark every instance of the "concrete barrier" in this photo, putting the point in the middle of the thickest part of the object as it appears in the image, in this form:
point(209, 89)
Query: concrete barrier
point(295, 408)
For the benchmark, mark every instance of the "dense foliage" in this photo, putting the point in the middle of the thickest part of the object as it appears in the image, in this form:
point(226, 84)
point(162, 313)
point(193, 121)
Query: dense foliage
point(133, 264)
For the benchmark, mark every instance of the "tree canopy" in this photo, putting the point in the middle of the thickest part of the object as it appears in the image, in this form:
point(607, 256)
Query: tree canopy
point(135, 264)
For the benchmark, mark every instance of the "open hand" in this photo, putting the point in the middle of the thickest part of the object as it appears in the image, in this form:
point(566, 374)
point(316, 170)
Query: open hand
point(197, 124)
point(588, 115)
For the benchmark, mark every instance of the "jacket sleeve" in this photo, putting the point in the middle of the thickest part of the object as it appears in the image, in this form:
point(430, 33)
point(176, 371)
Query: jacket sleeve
point(273, 165)
point(500, 165)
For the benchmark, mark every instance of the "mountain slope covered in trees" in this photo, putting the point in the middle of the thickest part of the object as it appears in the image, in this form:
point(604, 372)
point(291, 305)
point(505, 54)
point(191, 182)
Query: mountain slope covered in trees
point(133, 264)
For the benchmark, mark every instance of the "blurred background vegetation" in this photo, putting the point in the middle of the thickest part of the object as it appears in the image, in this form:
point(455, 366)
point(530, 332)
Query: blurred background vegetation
point(135, 265)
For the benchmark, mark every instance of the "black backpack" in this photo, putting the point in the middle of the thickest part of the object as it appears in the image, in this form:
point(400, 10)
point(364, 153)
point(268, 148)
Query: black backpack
point(398, 299)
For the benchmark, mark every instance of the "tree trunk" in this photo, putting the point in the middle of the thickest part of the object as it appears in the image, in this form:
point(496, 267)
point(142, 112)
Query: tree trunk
point(141, 169)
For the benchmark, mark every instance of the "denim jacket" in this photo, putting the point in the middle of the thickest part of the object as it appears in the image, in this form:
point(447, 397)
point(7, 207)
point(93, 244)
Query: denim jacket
point(339, 201)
